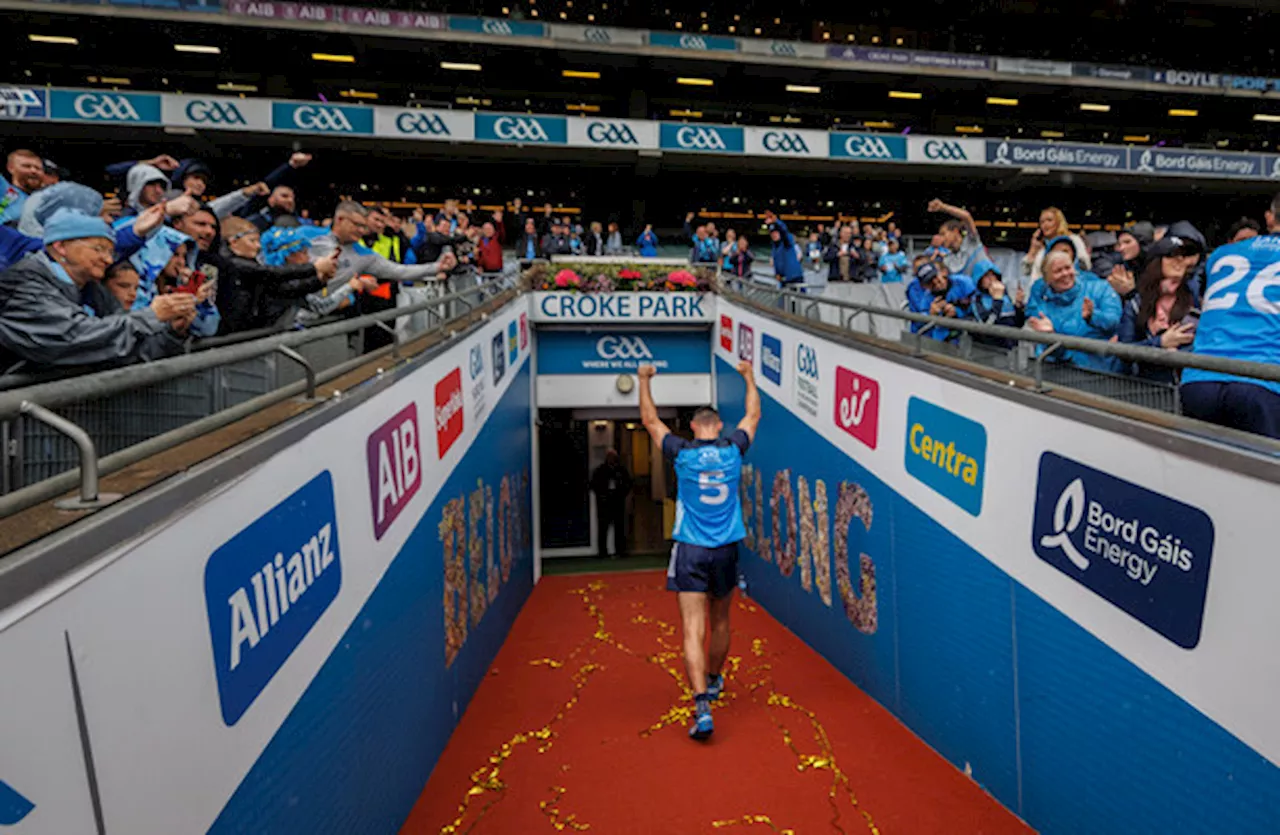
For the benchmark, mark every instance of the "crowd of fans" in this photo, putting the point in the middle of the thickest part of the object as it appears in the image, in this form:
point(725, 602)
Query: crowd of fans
point(87, 280)
point(1145, 286)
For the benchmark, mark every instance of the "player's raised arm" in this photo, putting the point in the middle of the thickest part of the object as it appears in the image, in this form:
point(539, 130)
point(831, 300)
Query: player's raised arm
point(751, 420)
point(648, 410)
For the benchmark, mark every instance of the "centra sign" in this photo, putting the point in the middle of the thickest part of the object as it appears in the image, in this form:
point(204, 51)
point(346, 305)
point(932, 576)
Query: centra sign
point(623, 307)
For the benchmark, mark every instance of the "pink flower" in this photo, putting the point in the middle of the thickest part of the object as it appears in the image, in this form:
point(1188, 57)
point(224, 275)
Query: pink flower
point(682, 278)
point(567, 278)
point(630, 275)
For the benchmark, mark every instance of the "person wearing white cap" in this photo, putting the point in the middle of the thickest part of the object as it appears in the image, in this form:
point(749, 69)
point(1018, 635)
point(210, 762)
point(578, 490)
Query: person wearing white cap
point(44, 322)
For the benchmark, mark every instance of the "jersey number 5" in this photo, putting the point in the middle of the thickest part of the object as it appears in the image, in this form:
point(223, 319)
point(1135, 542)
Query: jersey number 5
point(712, 493)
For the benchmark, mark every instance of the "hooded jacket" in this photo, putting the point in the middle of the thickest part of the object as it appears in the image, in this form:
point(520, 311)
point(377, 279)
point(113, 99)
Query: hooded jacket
point(959, 293)
point(1186, 231)
point(1064, 311)
point(648, 244)
point(44, 323)
point(786, 260)
point(151, 260)
point(140, 176)
point(1033, 266)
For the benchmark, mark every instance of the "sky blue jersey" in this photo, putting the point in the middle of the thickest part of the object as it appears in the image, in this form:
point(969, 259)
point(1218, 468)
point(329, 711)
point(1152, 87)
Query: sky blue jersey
point(708, 511)
point(1240, 316)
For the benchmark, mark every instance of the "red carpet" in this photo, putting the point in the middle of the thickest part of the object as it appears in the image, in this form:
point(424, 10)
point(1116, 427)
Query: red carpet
point(581, 726)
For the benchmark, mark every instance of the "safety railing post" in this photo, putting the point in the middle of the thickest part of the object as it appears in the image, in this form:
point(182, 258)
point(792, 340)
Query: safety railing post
point(1040, 364)
point(395, 337)
point(920, 338)
point(307, 368)
point(89, 496)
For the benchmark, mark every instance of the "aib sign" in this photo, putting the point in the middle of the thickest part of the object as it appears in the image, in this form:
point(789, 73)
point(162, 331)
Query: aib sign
point(395, 466)
point(267, 587)
point(1142, 551)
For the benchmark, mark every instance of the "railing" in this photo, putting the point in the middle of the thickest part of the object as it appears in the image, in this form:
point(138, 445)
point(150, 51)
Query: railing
point(72, 431)
point(1024, 358)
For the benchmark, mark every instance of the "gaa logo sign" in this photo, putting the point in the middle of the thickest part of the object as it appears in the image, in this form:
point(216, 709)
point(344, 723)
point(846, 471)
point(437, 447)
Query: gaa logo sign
point(623, 348)
point(326, 119)
point(611, 133)
point(424, 124)
point(785, 143)
point(867, 147)
point(782, 48)
point(700, 139)
point(692, 42)
point(513, 128)
point(207, 112)
point(596, 35)
point(105, 108)
point(940, 150)
point(495, 27)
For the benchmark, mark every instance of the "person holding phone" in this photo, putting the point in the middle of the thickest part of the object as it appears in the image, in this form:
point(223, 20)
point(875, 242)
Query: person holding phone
point(1053, 224)
point(648, 242)
point(1162, 313)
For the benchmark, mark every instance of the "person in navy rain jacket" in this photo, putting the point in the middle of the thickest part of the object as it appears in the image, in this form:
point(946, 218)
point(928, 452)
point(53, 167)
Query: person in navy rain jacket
point(648, 242)
point(786, 255)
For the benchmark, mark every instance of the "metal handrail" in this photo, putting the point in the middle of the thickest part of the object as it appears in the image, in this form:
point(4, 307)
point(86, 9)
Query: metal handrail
point(1120, 350)
point(103, 384)
point(92, 467)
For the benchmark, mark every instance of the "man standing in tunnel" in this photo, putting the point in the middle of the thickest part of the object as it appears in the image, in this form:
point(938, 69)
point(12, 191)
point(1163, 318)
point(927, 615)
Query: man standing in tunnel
point(708, 527)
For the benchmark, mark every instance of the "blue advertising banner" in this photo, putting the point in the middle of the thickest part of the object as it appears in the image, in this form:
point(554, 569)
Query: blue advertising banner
point(24, 103)
point(600, 351)
point(322, 118)
point(1056, 155)
point(947, 452)
point(266, 588)
point(1181, 78)
point(93, 106)
point(704, 43)
point(1197, 163)
point(677, 137)
point(1252, 83)
point(868, 146)
point(495, 26)
point(1143, 551)
point(534, 130)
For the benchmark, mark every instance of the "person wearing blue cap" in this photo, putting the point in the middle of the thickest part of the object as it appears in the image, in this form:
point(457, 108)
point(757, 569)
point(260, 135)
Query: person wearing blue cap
point(936, 291)
point(43, 321)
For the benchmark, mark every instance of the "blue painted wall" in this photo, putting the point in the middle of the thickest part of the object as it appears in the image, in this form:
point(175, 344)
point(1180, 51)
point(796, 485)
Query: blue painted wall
point(355, 752)
point(1054, 723)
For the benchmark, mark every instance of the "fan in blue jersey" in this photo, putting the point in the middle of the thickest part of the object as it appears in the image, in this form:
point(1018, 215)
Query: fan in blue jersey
point(1240, 319)
point(708, 527)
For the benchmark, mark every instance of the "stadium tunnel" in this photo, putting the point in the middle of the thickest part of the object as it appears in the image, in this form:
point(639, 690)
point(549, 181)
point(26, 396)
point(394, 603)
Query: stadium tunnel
point(337, 615)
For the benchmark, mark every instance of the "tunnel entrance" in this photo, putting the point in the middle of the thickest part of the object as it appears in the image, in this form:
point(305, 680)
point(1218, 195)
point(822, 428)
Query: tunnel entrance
point(581, 495)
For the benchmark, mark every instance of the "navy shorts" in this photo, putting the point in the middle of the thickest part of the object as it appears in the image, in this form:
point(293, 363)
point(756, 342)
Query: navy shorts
point(712, 571)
